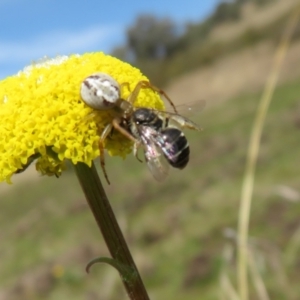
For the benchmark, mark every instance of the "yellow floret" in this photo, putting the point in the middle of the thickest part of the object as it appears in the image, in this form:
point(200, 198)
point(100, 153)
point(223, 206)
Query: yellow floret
point(42, 115)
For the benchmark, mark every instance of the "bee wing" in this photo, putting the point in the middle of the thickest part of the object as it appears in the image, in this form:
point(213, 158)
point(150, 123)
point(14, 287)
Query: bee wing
point(158, 166)
point(188, 108)
point(178, 120)
point(155, 159)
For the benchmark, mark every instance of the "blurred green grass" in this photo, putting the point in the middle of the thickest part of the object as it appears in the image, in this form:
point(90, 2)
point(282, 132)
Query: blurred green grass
point(175, 229)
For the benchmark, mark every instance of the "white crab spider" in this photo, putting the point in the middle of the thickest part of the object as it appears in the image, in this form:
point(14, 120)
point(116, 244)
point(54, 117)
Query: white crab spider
point(100, 91)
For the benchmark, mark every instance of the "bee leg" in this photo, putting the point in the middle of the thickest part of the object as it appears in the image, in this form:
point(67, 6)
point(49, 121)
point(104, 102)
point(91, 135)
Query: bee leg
point(146, 84)
point(104, 135)
point(135, 151)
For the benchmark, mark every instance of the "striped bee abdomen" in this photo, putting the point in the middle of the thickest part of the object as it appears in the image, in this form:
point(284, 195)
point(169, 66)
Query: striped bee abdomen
point(175, 147)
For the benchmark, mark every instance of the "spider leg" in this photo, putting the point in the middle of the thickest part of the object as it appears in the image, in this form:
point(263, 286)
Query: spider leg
point(122, 85)
point(86, 118)
point(104, 135)
point(144, 85)
point(116, 124)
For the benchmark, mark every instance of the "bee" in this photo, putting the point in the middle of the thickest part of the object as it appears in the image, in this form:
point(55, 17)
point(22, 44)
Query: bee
point(159, 133)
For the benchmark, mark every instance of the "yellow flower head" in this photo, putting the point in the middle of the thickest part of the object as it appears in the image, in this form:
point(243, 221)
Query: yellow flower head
point(42, 115)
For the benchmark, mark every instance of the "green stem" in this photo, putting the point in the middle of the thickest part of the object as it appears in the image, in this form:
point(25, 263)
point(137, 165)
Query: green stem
point(105, 218)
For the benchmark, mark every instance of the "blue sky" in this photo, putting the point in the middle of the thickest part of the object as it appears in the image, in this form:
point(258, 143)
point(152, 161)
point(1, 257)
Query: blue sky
point(32, 29)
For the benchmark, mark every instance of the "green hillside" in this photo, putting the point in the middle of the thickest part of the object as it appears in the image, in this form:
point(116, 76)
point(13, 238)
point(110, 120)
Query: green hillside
point(176, 229)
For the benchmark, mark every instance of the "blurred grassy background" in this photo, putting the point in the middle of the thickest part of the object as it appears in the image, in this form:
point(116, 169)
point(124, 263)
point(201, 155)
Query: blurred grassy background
point(182, 232)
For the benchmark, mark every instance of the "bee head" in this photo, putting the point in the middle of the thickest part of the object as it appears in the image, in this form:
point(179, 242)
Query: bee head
point(144, 116)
